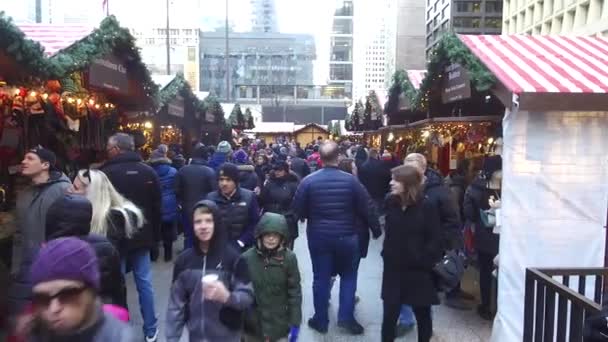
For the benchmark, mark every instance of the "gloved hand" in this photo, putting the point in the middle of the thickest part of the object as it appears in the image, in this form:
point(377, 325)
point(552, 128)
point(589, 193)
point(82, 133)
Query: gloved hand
point(293, 333)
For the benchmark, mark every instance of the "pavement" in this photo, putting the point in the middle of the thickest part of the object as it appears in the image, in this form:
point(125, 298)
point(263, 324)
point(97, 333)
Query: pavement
point(449, 325)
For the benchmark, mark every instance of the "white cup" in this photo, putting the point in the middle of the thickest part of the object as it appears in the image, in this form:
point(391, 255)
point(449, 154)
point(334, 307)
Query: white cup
point(210, 278)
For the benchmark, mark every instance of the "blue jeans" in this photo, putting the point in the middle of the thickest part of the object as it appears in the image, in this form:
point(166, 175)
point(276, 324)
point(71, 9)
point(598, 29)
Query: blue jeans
point(139, 263)
point(329, 254)
point(406, 317)
point(188, 232)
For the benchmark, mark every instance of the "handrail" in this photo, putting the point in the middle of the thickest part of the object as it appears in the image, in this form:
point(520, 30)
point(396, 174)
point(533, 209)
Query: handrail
point(565, 290)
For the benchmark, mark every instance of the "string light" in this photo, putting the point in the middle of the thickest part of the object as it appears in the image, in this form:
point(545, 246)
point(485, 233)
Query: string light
point(45, 96)
point(78, 101)
point(91, 102)
point(33, 94)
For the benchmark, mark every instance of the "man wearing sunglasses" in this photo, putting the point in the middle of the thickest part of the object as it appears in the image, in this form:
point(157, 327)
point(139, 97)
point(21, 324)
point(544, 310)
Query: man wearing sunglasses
point(65, 304)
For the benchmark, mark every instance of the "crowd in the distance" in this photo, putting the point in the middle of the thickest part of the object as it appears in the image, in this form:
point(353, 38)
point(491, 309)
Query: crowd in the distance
point(238, 207)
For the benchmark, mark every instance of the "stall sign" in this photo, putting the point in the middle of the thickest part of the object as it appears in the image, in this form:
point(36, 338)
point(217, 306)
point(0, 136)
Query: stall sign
point(109, 73)
point(457, 84)
point(176, 107)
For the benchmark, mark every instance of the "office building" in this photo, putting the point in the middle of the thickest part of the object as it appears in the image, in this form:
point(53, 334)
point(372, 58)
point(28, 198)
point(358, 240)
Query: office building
point(264, 16)
point(462, 17)
point(340, 82)
point(556, 17)
point(410, 40)
point(262, 65)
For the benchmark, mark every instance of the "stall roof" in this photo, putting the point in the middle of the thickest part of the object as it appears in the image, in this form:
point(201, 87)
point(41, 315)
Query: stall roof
point(416, 77)
point(163, 80)
point(273, 127)
point(55, 37)
point(301, 127)
point(544, 64)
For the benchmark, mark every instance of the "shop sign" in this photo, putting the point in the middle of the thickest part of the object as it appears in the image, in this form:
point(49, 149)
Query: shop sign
point(456, 84)
point(176, 107)
point(109, 73)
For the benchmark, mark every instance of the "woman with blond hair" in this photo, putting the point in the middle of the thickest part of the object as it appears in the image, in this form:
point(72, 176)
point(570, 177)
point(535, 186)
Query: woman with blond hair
point(114, 216)
point(412, 247)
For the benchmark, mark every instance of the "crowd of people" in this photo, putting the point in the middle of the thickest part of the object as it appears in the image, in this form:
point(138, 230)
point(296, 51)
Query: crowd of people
point(238, 207)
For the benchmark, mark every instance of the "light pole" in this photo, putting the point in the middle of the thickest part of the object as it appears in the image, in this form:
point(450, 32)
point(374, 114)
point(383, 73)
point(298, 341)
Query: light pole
point(168, 43)
point(227, 57)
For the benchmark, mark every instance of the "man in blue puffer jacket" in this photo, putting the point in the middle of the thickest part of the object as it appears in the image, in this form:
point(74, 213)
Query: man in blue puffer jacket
point(166, 174)
point(333, 201)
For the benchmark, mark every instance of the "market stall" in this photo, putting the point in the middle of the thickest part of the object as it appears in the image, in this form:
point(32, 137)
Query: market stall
point(98, 80)
point(555, 170)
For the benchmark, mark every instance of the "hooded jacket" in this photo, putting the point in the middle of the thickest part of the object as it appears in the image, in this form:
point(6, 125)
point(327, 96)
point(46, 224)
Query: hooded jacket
point(32, 207)
point(439, 195)
point(276, 282)
point(166, 175)
point(239, 212)
point(277, 196)
point(248, 178)
point(207, 320)
point(71, 216)
point(139, 183)
point(193, 182)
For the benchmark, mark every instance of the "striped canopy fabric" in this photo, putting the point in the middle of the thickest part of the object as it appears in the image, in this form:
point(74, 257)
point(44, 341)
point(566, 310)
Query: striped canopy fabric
point(416, 77)
point(55, 37)
point(544, 64)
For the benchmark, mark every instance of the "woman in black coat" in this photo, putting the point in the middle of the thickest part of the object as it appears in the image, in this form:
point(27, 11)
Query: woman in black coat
point(412, 247)
point(277, 195)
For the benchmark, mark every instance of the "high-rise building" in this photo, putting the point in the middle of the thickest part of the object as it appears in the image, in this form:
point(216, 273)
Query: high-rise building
point(575, 17)
point(410, 39)
point(463, 17)
point(264, 16)
point(53, 11)
point(340, 82)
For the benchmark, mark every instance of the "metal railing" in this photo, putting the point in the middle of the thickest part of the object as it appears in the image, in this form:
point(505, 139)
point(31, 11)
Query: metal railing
point(548, 290)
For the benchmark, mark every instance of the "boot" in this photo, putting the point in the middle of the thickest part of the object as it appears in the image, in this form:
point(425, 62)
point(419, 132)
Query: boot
point(168, 252)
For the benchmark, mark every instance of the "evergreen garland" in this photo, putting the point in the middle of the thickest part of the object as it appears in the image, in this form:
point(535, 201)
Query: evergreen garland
point(212, 104)
point(451, 50)
point(395, 90)
point(27, 53)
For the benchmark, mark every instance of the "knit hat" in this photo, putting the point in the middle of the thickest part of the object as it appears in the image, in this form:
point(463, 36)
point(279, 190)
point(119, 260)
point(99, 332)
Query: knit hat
point(281, 165)
point(231, 171)
point(66, 259)
point(160, 152)
point(45, 155)
point(224, 147)
point(240, 157)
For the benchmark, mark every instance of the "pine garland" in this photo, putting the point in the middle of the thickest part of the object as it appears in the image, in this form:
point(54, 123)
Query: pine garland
point(28, 54)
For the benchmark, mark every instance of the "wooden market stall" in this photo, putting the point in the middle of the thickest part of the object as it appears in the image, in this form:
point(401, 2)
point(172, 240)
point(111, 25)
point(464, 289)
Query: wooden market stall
point(273, 131)
point(555, 172)
point(305, 134)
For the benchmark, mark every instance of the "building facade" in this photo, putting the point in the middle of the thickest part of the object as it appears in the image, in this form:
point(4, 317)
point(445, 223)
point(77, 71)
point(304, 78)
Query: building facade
point(262, 65)
point(340, 82)
point(558, 17)
point(264, 16)
point(462, 17)
point(410, 40)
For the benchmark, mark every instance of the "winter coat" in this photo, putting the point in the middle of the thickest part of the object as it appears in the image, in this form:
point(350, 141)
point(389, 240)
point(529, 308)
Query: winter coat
point(262, 171)
point(277, 196)
point(364, 228)
point(76, 221)
point(217, 160)
point(476, 199)
point(276, 283)
point(193, 182)
point(248, 179)
point(139, 183)
point(360, 157)
point(107, 328)
point(300, 167)
point(458, 186)
point(412, 247)
point(375, 175)
point(166, 175)
point(240, 214)
point(440, 196)
point(332, 201)
point(32, 206)
point(207, 320)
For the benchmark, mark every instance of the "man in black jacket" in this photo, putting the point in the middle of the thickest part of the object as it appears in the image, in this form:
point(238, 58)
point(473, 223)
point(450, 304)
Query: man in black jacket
point(192, 184)
point(375, 175)
point(139, 183)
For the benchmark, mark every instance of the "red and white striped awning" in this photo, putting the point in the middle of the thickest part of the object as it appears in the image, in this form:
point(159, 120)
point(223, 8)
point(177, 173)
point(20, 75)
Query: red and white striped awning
point(544, 64)
point(55, 37)
point(416, 77)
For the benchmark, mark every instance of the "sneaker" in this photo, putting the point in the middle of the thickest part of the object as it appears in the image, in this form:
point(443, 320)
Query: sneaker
point(404, 329)
point(457, 303)
point(316, 326)
point(353, 327)
point(153, 338)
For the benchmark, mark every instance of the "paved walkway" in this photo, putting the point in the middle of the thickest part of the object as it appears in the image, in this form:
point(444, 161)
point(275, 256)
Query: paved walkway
point(449, 325)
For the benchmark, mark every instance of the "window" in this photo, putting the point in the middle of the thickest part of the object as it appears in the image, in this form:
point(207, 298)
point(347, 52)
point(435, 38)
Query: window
point(493, 23)
point(494, 7)
point(341, 72)
point(468, 6)
point(444, 13)
point(346, 10)
point(467, 22)
point(341, 49)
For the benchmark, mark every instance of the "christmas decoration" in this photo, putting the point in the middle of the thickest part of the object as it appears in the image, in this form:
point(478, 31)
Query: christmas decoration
point(354, 122)
point(249, 119)
point(372, 113)
point(213, 106)
point(236, 118)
